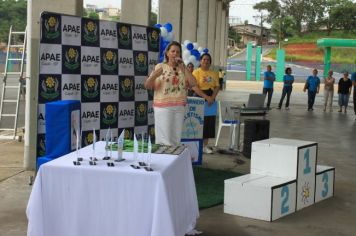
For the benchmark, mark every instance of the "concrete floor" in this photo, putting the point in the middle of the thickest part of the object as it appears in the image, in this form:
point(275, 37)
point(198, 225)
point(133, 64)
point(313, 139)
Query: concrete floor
point(334, 132)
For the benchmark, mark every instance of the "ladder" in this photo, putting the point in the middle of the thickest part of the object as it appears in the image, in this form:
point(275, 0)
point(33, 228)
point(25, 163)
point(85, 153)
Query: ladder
point(12, 86)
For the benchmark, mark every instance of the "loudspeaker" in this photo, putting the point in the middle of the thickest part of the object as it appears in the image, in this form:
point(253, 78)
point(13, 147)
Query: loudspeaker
point(254, 130)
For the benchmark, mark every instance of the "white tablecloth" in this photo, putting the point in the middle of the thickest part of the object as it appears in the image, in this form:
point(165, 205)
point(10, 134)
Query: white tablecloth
point(68, 200)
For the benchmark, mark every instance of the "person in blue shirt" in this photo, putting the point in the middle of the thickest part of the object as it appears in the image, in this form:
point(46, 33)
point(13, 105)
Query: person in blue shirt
point(269, 79)
point(288, 80)
point(313, 86)
point(353, 79)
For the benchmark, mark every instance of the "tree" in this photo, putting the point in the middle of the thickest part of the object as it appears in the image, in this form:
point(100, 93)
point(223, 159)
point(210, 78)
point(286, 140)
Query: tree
point(153, 19)
point(12, 12)
point(344, 16)
point(272, 7)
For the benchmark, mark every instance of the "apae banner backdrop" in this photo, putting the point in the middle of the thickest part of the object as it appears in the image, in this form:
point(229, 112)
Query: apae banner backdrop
point(103, 64)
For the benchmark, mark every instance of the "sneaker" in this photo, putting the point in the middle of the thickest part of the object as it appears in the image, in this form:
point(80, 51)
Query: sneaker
point(207, 150)
point(339, 110)
point(287, 108)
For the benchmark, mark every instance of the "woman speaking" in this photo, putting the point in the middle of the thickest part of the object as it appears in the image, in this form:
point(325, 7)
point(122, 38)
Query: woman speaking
point(170, 81)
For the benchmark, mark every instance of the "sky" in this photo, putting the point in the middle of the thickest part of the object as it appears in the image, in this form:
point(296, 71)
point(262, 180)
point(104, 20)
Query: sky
point(240, 8)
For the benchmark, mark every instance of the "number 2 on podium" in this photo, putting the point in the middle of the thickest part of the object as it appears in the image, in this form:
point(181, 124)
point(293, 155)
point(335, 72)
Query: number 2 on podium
point(307, 168)
point(284, 196)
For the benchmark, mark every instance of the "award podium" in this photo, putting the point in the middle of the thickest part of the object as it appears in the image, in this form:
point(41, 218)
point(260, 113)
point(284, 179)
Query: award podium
point(284, 178)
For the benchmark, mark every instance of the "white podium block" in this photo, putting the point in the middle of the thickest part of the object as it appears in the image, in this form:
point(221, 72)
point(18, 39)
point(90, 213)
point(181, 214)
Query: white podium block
point(260, 197)
point(325, 182)
point(281, 157)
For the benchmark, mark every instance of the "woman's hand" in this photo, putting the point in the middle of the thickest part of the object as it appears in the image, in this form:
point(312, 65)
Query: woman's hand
point(151, 82)
point(210, 100)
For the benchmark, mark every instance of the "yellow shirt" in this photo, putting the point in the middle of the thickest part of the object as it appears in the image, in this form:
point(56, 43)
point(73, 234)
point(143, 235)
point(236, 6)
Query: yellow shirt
point(206, 79)
point(172, 89)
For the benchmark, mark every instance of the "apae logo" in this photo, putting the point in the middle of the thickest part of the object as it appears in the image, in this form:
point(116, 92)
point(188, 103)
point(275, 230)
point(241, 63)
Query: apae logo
point(141, 62)
point(153, 39)
point(127, 86)
point(108, 33)
point(91, 85)
point(110, 60)
point(125, 35)
point(128, 134)
point(109, 114)
point(151, 131)
point(71, 56)
point(71, 29)
point(88, 139)
point(51, 26)
point(141, 113)
point(91, 32)
point(49, 87)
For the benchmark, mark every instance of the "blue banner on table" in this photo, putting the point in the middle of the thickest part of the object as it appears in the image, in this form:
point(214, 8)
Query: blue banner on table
point(192, 133)
point(62, 125)
point(210, 110)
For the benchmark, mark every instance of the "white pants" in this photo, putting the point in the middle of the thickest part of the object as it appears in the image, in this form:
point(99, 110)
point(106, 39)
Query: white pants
point(169, 124)
point(328, 95)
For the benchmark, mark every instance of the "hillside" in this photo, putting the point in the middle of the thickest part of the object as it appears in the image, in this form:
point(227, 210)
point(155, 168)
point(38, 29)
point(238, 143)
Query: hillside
point(304, 49)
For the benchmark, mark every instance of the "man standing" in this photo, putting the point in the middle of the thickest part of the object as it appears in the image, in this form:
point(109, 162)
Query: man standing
point(313, 86)
point(269, 78)
point(353, 79)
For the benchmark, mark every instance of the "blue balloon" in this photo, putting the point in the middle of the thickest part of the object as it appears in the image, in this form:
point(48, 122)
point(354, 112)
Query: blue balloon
point(205, 50)
point(168, 26)
point(161, 58)
point(157, 25)
point(195, 53)
point(190, 46)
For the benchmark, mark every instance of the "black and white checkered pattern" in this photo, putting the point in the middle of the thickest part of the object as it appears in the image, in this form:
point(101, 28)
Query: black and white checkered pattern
point(103, 64)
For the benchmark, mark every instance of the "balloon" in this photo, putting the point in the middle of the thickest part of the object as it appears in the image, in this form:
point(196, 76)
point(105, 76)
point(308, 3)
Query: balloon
point(205, 50)
point(196, 45)
point(158, 26)
point(196, 64)
point(191, 59)
point(195, 52)
point(168, 26)
point(186, 42)
point(186, 62)
point(186, 53)
point(200, 49)
point(170, 36)
point(190, 46)
point(164, 32)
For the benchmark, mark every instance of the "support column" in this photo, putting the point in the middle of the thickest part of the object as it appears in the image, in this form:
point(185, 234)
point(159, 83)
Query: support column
point(280, 65)
point(171, 11)
point(34, 9)
point(223, 35)
point(131, 13)
point(327, 61)
point(219, 29)
point(189, 20)
point(211, 30)
point(258, 63)
point(202, 30)
point(248, 60)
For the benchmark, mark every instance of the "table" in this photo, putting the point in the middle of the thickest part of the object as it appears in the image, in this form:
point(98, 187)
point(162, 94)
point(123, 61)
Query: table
point(106, 201)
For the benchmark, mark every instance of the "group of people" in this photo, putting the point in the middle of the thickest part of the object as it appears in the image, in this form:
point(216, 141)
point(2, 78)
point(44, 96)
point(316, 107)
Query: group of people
point(171, 80)
point(312, 85)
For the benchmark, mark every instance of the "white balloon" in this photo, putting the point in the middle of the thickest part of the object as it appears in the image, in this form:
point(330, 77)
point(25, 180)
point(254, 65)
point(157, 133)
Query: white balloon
point(186, 42)
point(186, 53)
point(186, 62)
point(164, 32)
point(196, 64)
point(196, 45)
point(170, 36)
point(200, 49)
point(192, 59)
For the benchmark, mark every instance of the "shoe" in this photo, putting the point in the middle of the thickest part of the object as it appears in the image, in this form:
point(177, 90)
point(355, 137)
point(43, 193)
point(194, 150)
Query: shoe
point(279, 108)
point(287, 108)
point(207, 150)
point(339, 110)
